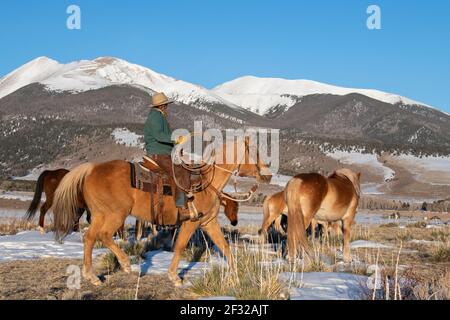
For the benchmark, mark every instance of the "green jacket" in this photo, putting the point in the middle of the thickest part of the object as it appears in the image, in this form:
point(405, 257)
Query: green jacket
point(157, 134)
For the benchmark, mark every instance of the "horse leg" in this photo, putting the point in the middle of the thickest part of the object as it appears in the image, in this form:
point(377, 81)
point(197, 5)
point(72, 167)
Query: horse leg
point(121, 232)
point(186, 231)
point(154, 230)
point(138, 229)
point(106, 234)
point(88, 216)
point(313, 229)
point(346, 229)
point(89, 241)
point(272, 218)
point(76, 226)
point(214, 231)
point(44, 210)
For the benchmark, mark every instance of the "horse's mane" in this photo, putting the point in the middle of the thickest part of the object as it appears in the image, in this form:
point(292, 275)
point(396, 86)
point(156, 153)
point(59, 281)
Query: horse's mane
point(350, 175)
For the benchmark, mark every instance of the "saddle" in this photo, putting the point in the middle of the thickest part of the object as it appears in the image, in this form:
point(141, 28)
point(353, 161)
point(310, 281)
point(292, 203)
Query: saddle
point(154, 181)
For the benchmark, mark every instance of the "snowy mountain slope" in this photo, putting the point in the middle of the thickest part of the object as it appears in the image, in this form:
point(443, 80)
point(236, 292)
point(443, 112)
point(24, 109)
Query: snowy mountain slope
point(34, 71)
point(262, 94)
point(87, 75)
point(259, 95)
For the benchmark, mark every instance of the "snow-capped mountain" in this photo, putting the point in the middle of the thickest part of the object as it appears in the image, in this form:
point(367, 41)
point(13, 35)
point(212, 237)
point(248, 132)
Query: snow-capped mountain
point(34, 71)
point(260, 95)
point(49, 110)
point(87, 75)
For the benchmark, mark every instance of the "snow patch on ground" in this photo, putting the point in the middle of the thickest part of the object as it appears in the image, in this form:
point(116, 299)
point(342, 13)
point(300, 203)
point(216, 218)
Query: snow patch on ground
point(426, 242)
point(17, 195)
point(281, 180)
point(32, 245)
point(158, 262)
point(368, 244)
point(431, 163)
point(371, 189)
point(435, 170)
point(32, 176)
point(127, 138)
point(359, 158)
point(326, 286)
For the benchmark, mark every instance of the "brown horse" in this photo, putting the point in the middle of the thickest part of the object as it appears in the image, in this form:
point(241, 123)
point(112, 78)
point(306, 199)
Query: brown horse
point(273, 207)
point(231, 209)
point(331, 199)
point(47, 182)
point(108, 193)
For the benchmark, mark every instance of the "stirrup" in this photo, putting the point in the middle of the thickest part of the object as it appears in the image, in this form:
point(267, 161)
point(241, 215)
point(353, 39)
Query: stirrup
point(195, 215)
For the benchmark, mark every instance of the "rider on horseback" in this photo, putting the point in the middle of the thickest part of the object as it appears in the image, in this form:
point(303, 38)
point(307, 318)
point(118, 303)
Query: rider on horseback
point(159, 146)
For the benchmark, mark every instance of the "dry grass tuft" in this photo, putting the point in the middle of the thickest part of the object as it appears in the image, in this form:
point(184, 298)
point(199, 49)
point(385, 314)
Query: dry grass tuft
point(15, 226)
point(109, 262)
point(252, 280)
point(441, 253)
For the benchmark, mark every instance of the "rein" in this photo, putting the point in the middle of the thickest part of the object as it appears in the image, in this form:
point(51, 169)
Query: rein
point(206, 167)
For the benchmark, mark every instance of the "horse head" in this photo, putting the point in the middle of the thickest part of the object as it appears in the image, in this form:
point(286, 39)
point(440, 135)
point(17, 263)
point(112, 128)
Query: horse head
point(252, 165)
point(231, 211)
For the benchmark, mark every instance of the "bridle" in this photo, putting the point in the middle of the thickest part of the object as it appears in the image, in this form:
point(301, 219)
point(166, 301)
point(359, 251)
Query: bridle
point(205, 168)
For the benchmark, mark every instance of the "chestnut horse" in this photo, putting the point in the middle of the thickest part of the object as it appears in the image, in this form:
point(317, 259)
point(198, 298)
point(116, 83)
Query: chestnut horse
point(47, 182)
point(331, 199)
point(108, 193)
point(274, 207)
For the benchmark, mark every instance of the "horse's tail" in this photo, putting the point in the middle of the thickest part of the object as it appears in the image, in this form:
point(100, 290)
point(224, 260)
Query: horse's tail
point(37, 196)
point(66, 200)
point(296, 225)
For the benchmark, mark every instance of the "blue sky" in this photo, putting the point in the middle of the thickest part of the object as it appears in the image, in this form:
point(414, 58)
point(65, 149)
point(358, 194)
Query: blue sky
point(210, 42)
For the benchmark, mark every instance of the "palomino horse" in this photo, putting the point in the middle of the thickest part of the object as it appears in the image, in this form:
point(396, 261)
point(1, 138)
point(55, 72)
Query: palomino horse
point(108, 193)
point(331, 199)
point(274, 207)
point(47, 182)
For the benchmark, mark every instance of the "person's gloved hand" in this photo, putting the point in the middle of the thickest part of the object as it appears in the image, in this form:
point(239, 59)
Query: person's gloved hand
point(181, 139)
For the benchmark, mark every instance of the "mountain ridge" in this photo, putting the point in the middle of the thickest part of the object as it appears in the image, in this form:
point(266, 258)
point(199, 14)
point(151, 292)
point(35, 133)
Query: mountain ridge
point(256, 94)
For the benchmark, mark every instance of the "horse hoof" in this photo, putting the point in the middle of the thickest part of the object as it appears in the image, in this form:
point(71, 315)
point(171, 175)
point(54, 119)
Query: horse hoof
point(177, 282)
point(126, 269)
point(41, 230)
point(92, 278)
point(96, 282)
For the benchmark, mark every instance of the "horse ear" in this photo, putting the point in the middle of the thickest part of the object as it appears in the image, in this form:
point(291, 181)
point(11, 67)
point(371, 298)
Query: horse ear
point(359, 175)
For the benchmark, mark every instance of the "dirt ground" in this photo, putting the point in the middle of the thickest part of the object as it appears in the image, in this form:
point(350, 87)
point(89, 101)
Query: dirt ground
point(46, 279)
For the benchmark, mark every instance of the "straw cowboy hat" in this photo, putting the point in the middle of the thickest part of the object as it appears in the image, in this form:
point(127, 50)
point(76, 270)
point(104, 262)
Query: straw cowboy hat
point(159, 99)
